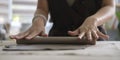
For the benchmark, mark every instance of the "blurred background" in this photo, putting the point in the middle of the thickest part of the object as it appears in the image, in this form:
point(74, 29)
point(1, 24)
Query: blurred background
point(16, 16)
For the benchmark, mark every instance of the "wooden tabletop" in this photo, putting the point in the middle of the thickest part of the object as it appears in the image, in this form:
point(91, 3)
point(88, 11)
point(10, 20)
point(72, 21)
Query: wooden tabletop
point(105, 50)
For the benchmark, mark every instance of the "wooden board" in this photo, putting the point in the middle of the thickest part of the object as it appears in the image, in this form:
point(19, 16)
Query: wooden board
point(44, 47)
point(49, 43)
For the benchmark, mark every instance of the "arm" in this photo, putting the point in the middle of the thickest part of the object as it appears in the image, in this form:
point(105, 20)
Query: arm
point(105, 13)
point(42, 9)
point(38, 23)
point(89, 28)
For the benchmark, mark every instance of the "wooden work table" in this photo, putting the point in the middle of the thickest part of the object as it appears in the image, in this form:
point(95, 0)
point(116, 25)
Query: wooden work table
point(103, 50)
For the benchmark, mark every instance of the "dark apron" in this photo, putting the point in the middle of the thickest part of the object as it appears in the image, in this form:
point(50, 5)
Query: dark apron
point(65, 17)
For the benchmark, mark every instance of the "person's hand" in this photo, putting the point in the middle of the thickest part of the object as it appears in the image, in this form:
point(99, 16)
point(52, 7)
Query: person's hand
point(88, 30)
point(37, 28)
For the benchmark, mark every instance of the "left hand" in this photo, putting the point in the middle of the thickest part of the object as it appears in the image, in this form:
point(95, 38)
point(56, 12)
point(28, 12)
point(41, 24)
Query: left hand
point(88, 30)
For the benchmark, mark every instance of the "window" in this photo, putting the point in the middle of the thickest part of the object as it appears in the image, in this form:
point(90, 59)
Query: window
point(4, 8)
point(24, 10)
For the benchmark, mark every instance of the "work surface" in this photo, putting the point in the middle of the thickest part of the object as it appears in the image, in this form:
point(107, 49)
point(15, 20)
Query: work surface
point(105, 50)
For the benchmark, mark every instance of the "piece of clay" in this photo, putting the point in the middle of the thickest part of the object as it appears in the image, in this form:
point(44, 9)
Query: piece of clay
point(56, 40)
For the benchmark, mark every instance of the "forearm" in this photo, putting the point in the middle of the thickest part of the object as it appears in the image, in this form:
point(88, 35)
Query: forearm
point(41, 11)
point(42, 7)
point(103, 15)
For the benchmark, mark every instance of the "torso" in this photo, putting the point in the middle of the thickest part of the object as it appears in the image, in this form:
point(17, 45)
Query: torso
point(70, 2)
point(70, 14)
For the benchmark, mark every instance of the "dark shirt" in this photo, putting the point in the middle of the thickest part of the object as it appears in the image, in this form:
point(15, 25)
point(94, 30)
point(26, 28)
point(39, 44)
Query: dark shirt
point(66, 17)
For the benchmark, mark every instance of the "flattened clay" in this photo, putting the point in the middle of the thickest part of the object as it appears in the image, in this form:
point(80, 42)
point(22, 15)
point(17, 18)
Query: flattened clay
point(56, 40)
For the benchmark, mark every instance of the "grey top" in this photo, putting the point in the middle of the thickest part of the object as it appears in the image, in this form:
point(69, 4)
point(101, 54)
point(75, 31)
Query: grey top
point(70, 2)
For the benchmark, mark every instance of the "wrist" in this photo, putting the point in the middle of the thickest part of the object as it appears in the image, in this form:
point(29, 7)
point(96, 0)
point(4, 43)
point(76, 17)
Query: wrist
point(40, 17)
point(92, 20)
point(38, 21)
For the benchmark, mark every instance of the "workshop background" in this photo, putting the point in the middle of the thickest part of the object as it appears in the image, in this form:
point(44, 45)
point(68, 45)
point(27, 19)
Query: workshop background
point(16, 16)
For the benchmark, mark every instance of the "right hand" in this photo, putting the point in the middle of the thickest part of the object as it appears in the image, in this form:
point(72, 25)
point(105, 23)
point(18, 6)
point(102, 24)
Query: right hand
point(37, 28)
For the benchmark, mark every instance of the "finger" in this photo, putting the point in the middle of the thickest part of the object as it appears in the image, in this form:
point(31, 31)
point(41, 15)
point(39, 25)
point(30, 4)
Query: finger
point(81, 35)
point(73, 33)
point(101, 35)
point(89, 36)
point(22, 35)
point(12, 36)
point(32, 35)
point(19, 36)
point(94, 34)
point(43, 34)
